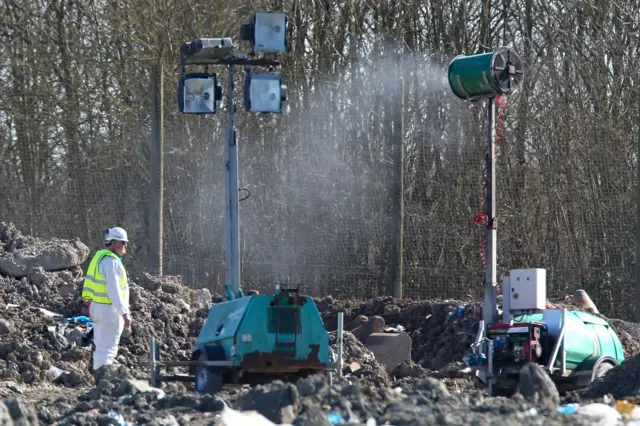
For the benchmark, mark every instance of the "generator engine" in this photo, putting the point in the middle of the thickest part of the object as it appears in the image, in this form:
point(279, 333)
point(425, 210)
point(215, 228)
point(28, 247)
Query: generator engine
point(518, 343)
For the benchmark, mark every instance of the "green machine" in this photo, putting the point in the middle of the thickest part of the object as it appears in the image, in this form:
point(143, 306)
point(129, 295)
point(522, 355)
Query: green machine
point(486, 75)
point(574, 347)
point(252, 338)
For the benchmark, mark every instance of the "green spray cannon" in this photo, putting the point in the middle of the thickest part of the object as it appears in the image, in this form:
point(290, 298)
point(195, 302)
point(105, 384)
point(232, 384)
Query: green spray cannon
point(575, 348)
point(486, 75)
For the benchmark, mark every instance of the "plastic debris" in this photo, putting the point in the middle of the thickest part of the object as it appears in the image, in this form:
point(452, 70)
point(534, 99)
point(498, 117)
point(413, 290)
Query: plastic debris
point(568, 409)
point(54, 372)
point(458, 313)
point(625, 407)
point(118, 418)
point(629, 411)
point(15, 388)
point(49, 313)
point(475, 359)
point(80, 319)
point(231, 417)
point(335, 418)
point(604, 413)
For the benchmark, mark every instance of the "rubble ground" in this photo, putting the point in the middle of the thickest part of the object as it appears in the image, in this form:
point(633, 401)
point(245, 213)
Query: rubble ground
point(45, 359)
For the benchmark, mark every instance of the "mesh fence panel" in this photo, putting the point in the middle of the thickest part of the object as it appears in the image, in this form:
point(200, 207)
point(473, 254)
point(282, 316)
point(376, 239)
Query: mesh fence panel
point(322, 209)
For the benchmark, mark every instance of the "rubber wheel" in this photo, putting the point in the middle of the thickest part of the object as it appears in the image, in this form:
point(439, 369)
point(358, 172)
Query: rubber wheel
point(208, 380)
point(603, 369)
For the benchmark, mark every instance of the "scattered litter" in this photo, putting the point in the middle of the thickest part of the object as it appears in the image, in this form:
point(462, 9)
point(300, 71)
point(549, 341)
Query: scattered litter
point(354, 366)
point(605, 414)
point(49, 313)
point(568, 409)
point(458, 313)
point(231, 417)
point(80, 319)
point(118, 418)
point(15, 388)
point(629, 411)
point(54, 372)
point(335, 418)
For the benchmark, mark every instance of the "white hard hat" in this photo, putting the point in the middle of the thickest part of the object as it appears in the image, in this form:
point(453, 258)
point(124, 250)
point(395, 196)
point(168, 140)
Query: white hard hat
point(117, 234)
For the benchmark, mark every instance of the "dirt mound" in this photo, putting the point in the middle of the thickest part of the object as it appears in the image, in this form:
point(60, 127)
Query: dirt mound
point(20, 254)
point(622, 381)
point(368, 371)
point(629, 334)
point(442, 331)
point(310, 401)
point(36, 334)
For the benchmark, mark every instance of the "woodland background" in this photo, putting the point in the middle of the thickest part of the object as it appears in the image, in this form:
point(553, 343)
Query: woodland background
point(372, 142)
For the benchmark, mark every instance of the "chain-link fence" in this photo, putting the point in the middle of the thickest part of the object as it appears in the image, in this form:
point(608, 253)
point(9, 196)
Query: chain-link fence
point(329, 195)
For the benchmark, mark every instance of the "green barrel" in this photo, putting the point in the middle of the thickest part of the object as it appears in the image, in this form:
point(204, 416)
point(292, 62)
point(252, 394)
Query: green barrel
point(486, 75)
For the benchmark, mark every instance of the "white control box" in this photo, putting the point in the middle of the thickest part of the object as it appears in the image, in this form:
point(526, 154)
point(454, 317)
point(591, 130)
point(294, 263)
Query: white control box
point(528, 289)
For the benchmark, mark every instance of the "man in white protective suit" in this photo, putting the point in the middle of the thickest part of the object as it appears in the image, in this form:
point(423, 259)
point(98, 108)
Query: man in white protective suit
point(106, 288)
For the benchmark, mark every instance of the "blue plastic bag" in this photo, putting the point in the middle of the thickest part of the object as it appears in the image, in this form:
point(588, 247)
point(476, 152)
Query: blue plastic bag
point(335, 418)
point(118, 418)
point(81, 319)
point(567, 409)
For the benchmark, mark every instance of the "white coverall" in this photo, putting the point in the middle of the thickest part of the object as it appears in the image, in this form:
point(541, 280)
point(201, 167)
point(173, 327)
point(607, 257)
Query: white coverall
point(108, 322)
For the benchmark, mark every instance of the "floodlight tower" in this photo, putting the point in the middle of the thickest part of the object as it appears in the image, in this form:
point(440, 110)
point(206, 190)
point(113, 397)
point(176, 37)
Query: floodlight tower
point(473, 78)
point(264, 92)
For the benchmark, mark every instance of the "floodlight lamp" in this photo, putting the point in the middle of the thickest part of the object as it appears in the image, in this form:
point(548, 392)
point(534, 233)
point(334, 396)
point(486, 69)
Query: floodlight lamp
point(264, 92)
point(266, 32)
point(198, 93)
point(206, 50)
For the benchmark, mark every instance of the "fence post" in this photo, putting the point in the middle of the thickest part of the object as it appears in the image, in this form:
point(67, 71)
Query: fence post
point(156, 194)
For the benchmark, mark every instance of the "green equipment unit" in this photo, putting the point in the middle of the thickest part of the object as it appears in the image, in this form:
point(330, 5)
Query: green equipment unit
point(486, 75)
point(586, 336)
point(574, 347)
point(252, 339)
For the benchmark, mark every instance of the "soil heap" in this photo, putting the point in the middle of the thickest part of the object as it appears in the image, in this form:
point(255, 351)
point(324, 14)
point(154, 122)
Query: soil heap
point(41, 342)
point(442, 331)
point(40, 288)
point(309, 401)
point(620, 382)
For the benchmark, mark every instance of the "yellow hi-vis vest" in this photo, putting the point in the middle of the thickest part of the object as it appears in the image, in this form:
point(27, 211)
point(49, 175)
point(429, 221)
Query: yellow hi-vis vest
point(95, 284)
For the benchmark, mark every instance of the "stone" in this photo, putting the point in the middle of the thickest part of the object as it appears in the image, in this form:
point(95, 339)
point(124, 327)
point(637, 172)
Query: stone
point(277, 401)
point(50, 255)
point(536, 386)
point(6, 327)
point(21, 414)
point(433, 389)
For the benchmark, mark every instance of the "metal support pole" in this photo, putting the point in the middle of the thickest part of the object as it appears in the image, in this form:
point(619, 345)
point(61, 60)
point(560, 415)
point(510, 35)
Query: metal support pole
point(153, 378)
point(490, 367)
point(232, 264)
point(637, 259)
point(156, 194)
point(340, 342)
point(490, 280)
point(563, 358)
